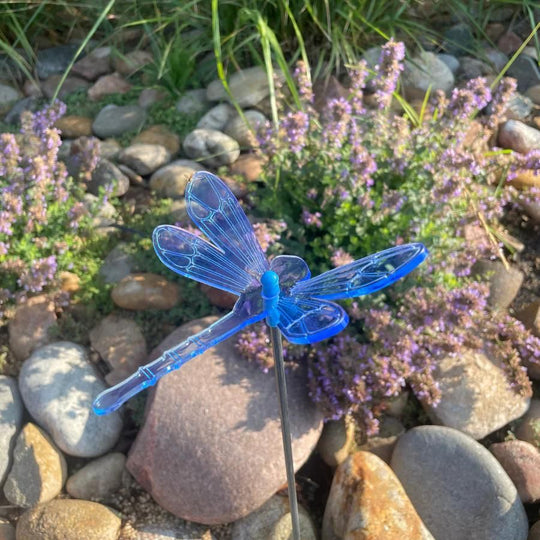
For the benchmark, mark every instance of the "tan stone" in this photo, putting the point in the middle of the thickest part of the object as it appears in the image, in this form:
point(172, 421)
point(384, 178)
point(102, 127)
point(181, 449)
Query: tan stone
point(70, 281)
point(526, 179)
point(29, 329)
point(74, 126)
point(533, 93)
point(159, 134)
point(39, 469)
point(69, 519)
point(249, 166)
point(219, 298)
point(336, 441)
point(145, 291)
point(367, 501)
point(121, 344)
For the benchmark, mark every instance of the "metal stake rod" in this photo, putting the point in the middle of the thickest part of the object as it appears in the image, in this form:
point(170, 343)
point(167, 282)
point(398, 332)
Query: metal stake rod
point(277, 349)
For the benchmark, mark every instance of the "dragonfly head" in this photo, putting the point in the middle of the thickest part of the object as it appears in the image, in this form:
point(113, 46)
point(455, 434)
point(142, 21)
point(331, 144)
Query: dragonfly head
point(270, 295)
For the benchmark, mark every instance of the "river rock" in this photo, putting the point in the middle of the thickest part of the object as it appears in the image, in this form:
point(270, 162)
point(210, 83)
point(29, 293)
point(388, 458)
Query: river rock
point(336, 441)
point(117, 264)
point(159, 134)
point(69, 519)
point(29, 328)
point(54, 59)
point(8, 95)
point(145, 291)
point(475, 394)
point(69, 85)
point(121, 344)
point(108, 176)
point(149, 96)
point(457, 487)
point(129, 63)
point(39, 469)
point(525, 70)
point(107, 85)
point(58, 385)
point(530, 317)
point(74, 126)
point(217, 117)
point(11, 415)
point(193, 102)
point(212, 427)
point(367, 501)
point(272, 521)
point(521, 461)
point(518, 136)
point(7, 530)
point(424, 71)
point(246, 136)
point(99, 478)
point(529, 426)
point(248, 87)
point(213, 148)
point(171, 180)
point(144, 158)
point(504, 284)
point(95, 64)
point(249, 166)
point(113, 120)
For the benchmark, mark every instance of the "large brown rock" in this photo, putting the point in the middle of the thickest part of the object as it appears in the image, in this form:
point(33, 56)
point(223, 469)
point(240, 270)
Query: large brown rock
point(367, 501)
point(68, 519)
point(29, 328)
point(145, 291)
point(210, 449)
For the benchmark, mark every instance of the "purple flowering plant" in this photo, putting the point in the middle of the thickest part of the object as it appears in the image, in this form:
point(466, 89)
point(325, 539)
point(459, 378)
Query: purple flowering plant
point(362, 175)
point(42, 217)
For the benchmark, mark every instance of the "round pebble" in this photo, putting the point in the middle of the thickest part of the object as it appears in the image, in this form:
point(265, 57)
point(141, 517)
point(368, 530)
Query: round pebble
point(212, 147)
point(145, 291)
point(58, 385)
point(113, 120)
point(457, 487)
point(11, 414)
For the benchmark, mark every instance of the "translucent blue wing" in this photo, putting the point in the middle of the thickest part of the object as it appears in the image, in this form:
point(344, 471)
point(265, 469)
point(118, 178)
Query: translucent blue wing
point(305, 320)
point(247, 310)
point(214, 209)
point(364, 276)
point(290, 269)
point(193, 257)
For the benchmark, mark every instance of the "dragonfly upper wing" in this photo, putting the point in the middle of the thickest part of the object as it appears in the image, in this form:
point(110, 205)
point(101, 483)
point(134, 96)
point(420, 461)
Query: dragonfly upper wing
point(364, 276)
point(193, 257)
point(215, 210)
point(304, 320)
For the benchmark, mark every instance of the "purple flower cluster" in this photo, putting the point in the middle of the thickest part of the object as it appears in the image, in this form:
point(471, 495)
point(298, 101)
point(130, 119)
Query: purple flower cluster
point(295, 126)
point(40, 274)
point(465, 101)
point(268, 233)
point(388, 71)
point(311, 219)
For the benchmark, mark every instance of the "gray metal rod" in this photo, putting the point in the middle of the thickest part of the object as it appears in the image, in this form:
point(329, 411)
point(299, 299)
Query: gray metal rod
point(277, 349)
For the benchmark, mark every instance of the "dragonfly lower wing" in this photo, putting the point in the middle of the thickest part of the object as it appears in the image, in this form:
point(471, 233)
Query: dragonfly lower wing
point(174, 358)
point(304, 321)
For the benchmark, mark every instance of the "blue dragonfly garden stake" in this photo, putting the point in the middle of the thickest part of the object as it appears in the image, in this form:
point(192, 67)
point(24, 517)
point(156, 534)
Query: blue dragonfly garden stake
point(280, 291)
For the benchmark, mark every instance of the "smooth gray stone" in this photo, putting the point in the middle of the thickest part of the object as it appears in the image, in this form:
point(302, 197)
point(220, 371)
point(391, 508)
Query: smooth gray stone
point(58, 385)
point(55, 59)
point(113, 121)
point(11, 415)
point(457, 486)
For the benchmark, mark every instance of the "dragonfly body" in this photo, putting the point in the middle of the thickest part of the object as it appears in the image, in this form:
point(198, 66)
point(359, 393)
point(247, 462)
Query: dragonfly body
point(281, 290)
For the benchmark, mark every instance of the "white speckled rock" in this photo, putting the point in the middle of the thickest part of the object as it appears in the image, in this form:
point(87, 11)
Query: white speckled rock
point(457, 487)
point(248, 87)
point(58, 385)
point(426, 70)
point(144, 158)
point(217, 117)
point(213, 148)
point(11, 413)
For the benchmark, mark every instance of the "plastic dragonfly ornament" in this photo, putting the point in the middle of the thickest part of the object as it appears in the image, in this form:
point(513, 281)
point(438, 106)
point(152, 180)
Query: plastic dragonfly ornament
point(280, 291)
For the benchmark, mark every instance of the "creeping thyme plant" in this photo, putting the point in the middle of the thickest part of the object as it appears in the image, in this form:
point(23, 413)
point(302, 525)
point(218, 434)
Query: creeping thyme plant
point(361, 176)
point(42, 217)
